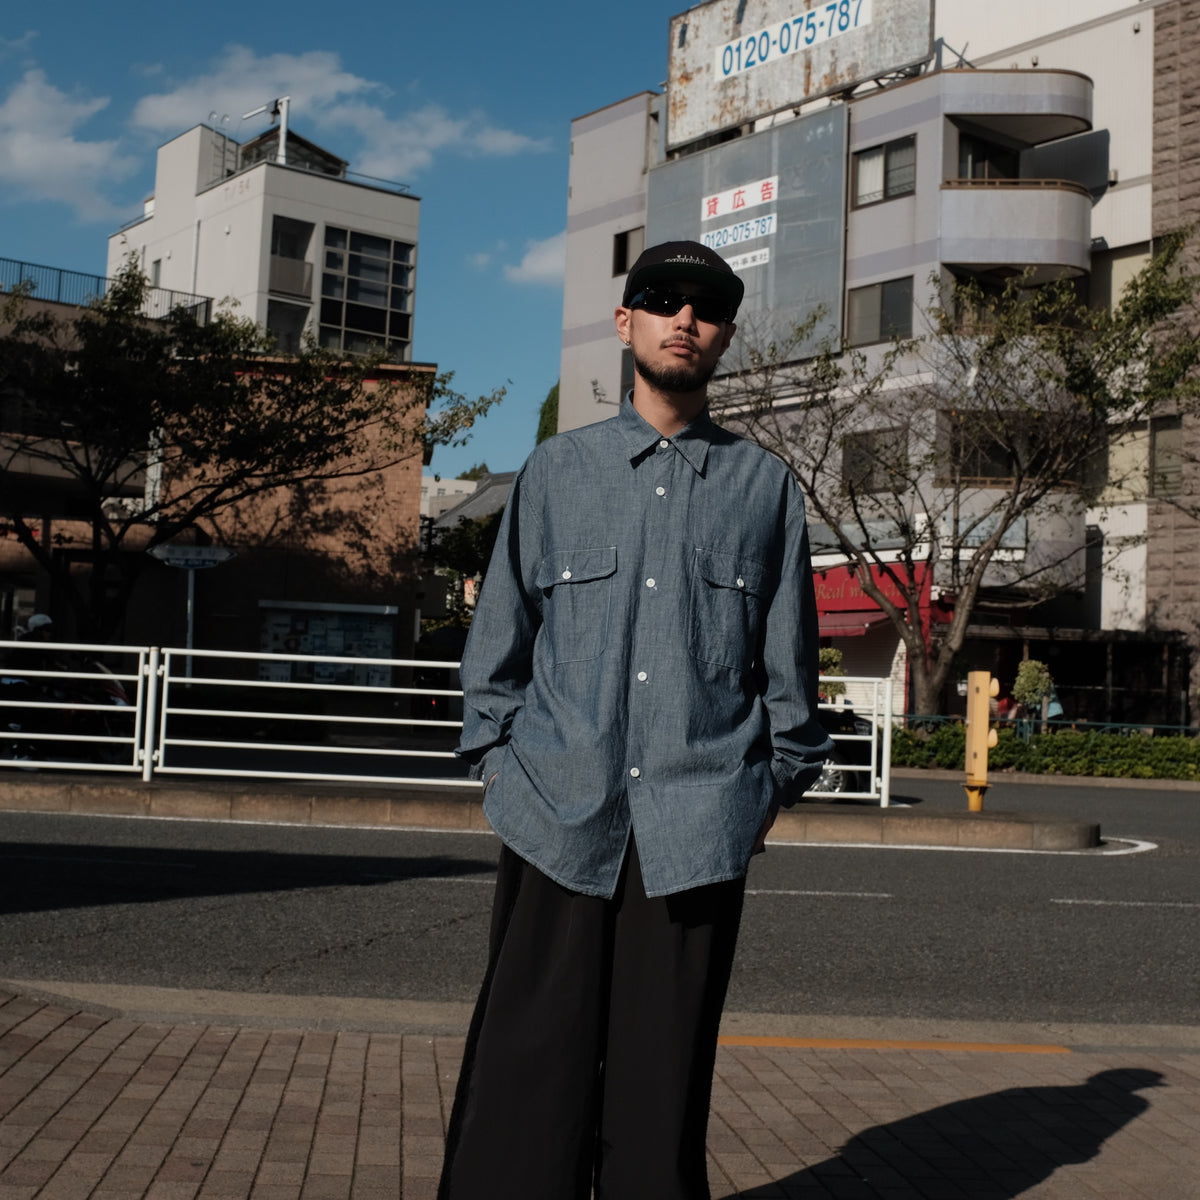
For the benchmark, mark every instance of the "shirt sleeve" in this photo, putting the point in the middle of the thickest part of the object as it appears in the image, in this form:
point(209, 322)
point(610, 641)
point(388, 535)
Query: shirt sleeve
point(497, 662)
point(789, 662)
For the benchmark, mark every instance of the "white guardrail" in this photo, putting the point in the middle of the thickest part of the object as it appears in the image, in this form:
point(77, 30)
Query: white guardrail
point(149, 711)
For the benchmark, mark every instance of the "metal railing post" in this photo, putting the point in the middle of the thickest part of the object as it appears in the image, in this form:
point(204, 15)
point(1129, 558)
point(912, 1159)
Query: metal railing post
point(150, 716)
point(885, 774)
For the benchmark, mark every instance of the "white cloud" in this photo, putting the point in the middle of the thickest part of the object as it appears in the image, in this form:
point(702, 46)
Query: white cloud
point(331, 98)
point(45, 160)
point(242, 81)
point(544, 262)
point(399, 147)
point(17, 45)
point(479, 261)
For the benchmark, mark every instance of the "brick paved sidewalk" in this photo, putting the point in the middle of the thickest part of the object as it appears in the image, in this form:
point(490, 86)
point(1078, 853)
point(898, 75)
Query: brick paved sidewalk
point(107, 1108)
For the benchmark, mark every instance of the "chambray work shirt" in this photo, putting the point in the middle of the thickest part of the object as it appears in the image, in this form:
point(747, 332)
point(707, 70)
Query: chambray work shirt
point(644, 655)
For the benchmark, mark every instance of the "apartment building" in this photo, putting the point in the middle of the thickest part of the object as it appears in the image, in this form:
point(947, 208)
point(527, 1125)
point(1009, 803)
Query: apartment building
point(282, 227)
point(1042, 140)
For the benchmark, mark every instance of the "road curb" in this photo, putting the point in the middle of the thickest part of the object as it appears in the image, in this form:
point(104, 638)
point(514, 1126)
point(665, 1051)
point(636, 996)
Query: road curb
point(991, 830)
point(416, 806)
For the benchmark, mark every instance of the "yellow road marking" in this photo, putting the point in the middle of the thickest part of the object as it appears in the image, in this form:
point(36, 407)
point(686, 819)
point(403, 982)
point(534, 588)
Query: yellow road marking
point(873, 1044)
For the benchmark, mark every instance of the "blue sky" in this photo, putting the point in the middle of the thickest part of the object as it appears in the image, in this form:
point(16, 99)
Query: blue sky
point(470, 105)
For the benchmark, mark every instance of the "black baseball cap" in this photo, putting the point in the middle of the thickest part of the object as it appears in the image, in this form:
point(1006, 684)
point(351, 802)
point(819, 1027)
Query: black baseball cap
point(674, 262)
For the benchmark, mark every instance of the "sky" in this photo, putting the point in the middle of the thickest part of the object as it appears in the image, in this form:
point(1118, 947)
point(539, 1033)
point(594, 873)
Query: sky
point(470, 105)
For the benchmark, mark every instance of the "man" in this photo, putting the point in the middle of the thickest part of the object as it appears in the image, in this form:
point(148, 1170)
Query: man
point(640, 697)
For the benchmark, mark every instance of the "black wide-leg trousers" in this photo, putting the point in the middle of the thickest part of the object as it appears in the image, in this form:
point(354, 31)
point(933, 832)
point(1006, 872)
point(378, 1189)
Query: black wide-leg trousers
point(590, 1056)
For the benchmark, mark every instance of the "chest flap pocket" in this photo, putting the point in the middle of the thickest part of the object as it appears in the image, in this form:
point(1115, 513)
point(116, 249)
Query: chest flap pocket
point(730, 593)
point(576, 588)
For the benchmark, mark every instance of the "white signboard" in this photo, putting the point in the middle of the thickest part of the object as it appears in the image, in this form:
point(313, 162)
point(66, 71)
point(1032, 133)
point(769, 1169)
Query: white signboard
point(732, 61)
point(191, 557)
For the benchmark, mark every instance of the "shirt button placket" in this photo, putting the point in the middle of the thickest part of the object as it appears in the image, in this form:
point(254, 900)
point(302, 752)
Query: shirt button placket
point(651, 612)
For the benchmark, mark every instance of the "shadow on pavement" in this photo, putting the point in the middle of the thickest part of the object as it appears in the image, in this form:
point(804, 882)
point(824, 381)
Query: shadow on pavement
point(37, 877)
point(996, 1146)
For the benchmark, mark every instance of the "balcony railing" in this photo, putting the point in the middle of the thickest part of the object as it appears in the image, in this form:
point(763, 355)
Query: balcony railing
point(73, 287)
point(291, 276)
point(1069, 185)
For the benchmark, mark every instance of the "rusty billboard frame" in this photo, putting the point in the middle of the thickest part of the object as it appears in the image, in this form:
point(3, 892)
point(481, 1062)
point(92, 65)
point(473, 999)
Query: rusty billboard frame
point(733, 61)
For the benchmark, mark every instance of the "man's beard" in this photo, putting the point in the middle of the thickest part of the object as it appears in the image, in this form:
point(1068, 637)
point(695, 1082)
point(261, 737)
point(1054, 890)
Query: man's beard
point(683, 378)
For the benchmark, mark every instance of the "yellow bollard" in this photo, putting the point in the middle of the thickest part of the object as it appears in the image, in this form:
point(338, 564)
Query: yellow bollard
point(980, 735)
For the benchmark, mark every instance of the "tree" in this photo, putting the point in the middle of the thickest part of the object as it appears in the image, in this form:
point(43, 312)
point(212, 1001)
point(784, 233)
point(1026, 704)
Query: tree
point(477, 472)
point(548, 416)
point(949, 451)
point(463, 552)
point(138, 431)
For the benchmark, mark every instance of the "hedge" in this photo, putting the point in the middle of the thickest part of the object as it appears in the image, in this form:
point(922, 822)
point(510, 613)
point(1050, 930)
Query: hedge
point(1060, 752)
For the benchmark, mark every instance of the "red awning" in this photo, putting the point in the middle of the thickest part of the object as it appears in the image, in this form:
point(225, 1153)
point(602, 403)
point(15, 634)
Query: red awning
point(848, 624)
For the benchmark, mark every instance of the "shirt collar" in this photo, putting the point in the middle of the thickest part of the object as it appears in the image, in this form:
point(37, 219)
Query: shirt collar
point(692, 441)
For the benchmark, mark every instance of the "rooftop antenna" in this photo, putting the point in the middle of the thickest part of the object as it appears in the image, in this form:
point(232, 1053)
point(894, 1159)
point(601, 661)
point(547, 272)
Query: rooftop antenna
point(277, 108)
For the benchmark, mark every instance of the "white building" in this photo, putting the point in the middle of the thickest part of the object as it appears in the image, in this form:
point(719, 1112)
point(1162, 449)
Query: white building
point(294, 239)
point(1037, 137)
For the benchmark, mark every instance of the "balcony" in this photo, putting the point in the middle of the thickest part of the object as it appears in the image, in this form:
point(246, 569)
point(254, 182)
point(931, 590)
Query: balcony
point(1005, 224)
point(291, 276)
point(54, 286)
point(1028, 107)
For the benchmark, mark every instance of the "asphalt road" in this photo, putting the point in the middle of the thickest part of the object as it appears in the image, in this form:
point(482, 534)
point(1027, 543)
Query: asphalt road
point(1099, 937)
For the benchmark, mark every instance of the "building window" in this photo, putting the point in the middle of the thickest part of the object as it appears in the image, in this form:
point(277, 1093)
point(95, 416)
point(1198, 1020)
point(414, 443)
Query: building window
point(880, 312)
point(290, 272)
point(626, 248)
point(366, 292)
point(874, 461)
point(979, 159)
point(885, 172)
point(286, 322)
point(1166, 456)
point(156, 273)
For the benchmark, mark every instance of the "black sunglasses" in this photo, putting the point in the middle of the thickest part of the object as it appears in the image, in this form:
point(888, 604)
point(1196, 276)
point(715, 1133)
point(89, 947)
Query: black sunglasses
point(710, 309)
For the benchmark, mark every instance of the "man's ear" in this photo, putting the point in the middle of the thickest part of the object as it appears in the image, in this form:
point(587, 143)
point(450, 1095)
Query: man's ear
point(730, 330)
point(623, 316)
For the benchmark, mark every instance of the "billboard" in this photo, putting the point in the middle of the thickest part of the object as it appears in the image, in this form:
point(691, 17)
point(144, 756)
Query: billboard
point(773, 206)
point(732, 61)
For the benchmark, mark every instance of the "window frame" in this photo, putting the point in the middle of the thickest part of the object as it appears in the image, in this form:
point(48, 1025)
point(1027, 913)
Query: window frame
point(627, 245)
point(880, 335)
point(866, 443)
point(346, 254)
point(888, 148)
point(1165, 482)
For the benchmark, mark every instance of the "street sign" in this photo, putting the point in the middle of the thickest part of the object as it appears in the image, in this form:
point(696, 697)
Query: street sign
point(191, 557)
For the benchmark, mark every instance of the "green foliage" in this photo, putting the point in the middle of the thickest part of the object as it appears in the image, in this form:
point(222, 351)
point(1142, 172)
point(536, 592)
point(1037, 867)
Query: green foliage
point(467, 548)
point(464, 552)
point(829, 662)
point(548, 416)
point(1032, 683)
point(477, 472)
point(1060, 752)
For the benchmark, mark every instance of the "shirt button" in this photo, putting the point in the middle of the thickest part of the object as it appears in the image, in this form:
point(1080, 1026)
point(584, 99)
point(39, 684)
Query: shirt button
point(649, 582)
point(741, 582)
point(567, 575)
point(660, 491)
point(664, 444)
point(635, 772)
point(642, 676)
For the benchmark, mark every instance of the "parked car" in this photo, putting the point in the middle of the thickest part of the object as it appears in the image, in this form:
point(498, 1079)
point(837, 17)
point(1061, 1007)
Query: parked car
point(852, 737)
